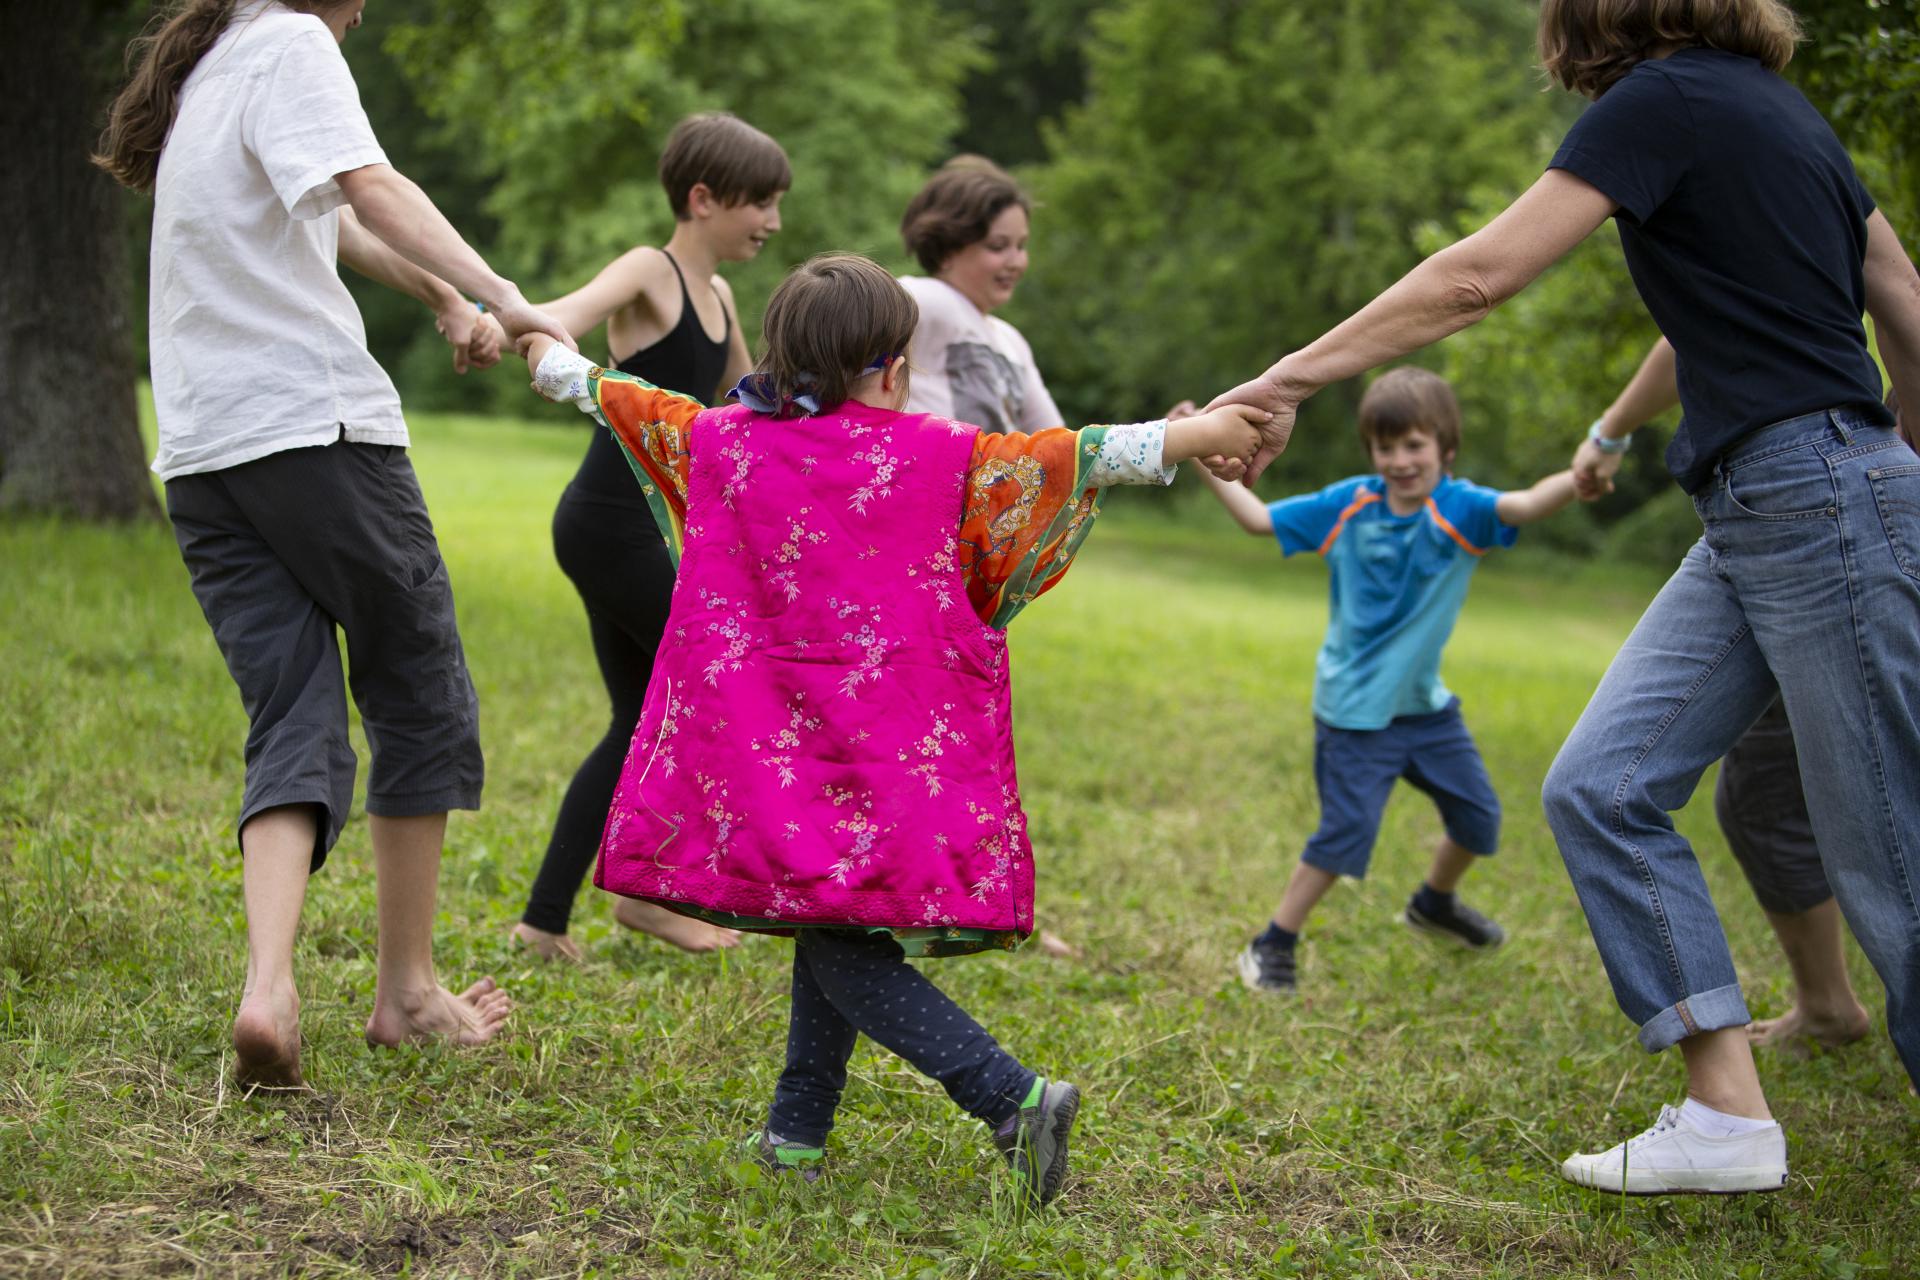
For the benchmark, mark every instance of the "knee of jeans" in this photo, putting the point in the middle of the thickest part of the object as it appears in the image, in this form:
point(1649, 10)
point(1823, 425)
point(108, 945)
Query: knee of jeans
point(1570, 795)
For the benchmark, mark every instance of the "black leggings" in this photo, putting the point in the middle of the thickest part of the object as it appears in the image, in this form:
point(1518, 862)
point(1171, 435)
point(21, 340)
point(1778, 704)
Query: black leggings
point(619, 563)
point(850, 982)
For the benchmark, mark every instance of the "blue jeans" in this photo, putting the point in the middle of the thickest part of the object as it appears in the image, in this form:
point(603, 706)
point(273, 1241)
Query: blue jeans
point(1807, 580)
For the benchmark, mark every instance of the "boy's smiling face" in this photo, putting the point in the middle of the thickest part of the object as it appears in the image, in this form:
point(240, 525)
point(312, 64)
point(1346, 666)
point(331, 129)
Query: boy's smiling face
point(1411, 463)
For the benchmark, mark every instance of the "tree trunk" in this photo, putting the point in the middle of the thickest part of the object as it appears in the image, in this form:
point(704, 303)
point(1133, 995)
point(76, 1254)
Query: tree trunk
point(69, 422)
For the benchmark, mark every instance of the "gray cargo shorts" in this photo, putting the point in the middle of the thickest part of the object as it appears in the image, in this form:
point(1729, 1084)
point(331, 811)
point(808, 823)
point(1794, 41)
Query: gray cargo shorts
point(287, 548)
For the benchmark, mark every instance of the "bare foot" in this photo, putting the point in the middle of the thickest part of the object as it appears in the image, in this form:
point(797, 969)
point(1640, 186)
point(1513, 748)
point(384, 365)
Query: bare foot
point(475, 1016)
point(1052, 944)
point(547, 946)
point(266, 1040)
point(683, 932)
point(1795, 1027)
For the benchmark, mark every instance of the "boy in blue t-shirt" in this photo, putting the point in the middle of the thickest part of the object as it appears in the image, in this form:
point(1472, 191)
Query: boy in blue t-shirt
point(1401, 545)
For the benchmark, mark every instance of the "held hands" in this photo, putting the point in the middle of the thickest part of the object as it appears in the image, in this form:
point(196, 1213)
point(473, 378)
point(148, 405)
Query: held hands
point(1278, 396)
point(474, 337)
point(1593, 471)
point(518, 318)
point(1223, 439)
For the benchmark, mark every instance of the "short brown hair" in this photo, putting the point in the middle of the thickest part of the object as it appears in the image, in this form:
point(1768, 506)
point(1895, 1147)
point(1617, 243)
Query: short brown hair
point(956, 207)
point(832, 317)
point(1409, 399)
point(1587, 45)
point(737, 162)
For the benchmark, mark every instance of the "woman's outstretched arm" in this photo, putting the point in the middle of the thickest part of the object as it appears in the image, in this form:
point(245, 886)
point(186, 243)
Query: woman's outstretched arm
point(1456, 287)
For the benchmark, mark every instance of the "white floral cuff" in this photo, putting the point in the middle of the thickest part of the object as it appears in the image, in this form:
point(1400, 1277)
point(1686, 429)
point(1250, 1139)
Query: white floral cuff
point(1131, 455)
point(562, 376)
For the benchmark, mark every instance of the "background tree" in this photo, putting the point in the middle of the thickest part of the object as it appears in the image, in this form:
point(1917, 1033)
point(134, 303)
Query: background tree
point(1244, 174)
point(565, 105)
point(69, 427)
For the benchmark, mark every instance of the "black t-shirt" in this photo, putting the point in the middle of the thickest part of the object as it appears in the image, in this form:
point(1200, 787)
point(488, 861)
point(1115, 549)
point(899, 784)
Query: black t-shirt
point(1744, 226)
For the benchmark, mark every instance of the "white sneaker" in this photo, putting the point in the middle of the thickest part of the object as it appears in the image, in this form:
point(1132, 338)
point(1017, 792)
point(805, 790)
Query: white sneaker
point(1675, 1156)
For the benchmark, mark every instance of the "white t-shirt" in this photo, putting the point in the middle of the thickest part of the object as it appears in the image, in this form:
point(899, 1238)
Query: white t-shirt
point(971, 366)
point(256, 343)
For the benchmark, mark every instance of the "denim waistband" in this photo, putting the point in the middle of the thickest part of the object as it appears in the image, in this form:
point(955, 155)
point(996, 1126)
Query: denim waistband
point(1845, 425)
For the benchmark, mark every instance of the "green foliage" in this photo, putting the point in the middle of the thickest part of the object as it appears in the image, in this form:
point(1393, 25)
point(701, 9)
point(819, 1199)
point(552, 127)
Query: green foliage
point(1861, 66)
point(1242, 177)
point(566, 103)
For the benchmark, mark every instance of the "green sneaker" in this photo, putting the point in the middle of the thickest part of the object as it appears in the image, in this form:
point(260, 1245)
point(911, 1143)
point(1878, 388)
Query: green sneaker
point(1034, 1139)
point(779, 1155)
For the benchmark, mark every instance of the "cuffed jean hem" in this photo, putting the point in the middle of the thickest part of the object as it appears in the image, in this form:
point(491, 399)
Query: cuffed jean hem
point(1713, 1010)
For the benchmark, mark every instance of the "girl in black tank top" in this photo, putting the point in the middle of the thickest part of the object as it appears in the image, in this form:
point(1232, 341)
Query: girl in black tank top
point(606, 542)
point(685, 360)
point(603, 533)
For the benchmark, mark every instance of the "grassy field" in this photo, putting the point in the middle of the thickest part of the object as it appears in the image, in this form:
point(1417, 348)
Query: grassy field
point(1403, 1118)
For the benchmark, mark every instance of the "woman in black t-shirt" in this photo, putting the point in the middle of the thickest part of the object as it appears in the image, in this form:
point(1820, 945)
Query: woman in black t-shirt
point(1756, 249)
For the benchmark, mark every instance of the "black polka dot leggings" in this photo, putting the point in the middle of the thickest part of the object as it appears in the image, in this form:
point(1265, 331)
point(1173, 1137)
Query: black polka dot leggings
point(846, 983)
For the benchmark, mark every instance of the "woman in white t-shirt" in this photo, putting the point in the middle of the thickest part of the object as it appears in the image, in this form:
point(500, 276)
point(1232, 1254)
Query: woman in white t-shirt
point(968, 229)
point(283, 450)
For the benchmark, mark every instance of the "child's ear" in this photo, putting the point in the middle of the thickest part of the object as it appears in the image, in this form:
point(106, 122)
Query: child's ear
point(894, 376)
point(700, 201)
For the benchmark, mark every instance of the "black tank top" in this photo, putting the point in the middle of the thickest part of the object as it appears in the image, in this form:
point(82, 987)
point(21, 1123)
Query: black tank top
point(685, 360)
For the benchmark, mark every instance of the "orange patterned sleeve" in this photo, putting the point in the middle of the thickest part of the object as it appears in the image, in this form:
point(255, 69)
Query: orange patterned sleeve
point(651, 426)
point(1028, 508)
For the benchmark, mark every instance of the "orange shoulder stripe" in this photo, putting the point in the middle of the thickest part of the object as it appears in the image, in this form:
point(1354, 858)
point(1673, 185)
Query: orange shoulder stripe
point(1359, 504)
point(1433, 509)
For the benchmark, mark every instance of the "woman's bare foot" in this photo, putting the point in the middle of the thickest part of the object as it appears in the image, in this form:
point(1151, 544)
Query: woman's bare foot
point(547, 946)
point(683, 932)
point(475, 1016)
point(1796, 1026)
point(266, 1040)
point(1052, 944)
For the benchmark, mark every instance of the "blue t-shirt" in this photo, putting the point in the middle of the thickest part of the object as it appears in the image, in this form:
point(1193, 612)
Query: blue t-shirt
point(1397, 585)
point(1745, 228)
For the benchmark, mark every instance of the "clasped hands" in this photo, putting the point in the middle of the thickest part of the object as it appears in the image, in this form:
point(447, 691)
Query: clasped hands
point(1271, 395)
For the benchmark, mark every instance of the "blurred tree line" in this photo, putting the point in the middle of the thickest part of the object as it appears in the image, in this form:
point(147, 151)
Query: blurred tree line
point(1217, 180)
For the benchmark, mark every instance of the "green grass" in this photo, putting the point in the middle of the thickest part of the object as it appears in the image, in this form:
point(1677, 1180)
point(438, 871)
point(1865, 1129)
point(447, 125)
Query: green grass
point(1403, 1118)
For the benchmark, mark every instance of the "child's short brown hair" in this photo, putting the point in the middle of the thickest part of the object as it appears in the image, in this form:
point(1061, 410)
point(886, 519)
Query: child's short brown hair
point(1409, 399)
point(956, 207)
point(737, 162)
point(1587, 45)
point(829, 320)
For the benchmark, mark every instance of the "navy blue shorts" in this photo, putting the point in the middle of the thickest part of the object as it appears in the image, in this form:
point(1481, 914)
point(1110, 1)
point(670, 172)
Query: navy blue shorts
point(1355, 770)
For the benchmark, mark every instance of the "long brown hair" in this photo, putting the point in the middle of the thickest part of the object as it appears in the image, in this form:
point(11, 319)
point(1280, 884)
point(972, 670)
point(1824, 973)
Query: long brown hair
point(1587, 45)
point(828, 320)
point(161, 58)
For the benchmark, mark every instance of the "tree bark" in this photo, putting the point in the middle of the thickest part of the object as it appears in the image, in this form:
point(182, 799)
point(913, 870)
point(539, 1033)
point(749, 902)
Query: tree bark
point(69, 419)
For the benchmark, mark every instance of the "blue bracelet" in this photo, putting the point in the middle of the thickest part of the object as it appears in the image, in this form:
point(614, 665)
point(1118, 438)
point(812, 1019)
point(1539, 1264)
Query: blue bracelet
point(1608, 444)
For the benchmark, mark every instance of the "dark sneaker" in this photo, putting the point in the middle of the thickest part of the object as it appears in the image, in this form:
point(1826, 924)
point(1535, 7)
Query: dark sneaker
point(1034, 1141)
point(1268, 969)
point(779, 1155)
point(1460, 923)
